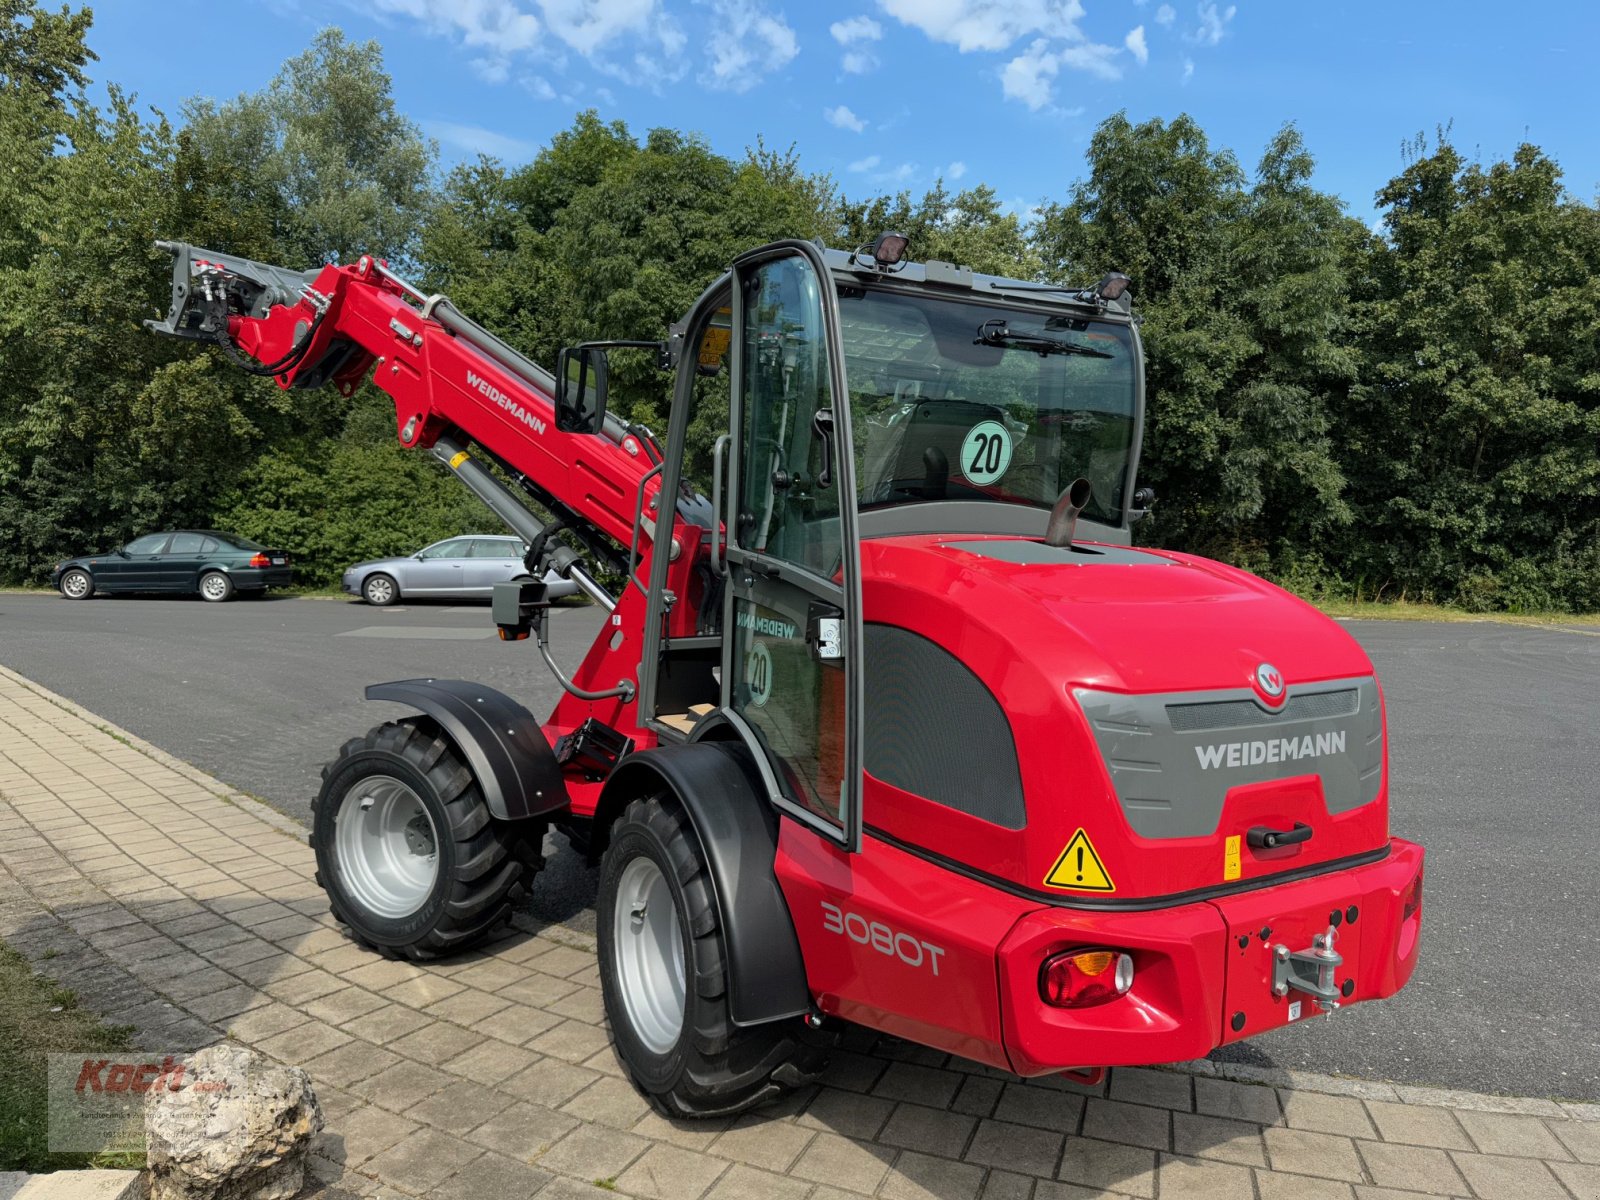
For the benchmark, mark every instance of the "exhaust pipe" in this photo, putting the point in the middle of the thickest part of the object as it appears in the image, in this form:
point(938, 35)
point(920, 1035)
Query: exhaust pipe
point(1064, 516)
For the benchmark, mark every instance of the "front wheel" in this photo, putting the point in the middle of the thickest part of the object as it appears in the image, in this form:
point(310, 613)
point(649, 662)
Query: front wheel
point(215, 587)
point(407, 850)
point(76, 585)
point(380, 591)
point(664, 978)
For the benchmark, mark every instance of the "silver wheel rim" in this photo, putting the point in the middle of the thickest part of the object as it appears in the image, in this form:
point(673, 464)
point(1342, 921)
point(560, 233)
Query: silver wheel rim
point(387, 846)
point(214, 587)
point(648, 947)
point(76, 585)
point(379, 591)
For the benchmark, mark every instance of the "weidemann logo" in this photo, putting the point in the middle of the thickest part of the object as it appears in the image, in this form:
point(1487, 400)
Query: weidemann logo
point(504, 401)
point(766, 625)
point(1249, 754)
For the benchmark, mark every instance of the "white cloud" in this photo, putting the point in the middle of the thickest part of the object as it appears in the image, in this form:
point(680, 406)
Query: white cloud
point(1188, 70)
point(540, 87)
point(856, 29)
point(586, 25)
point(987, 24)
point(491, 70)
point(499, 28)
point(1166, 15)
point(1030, 77)
point(862, 165)
point(1097, 60)
point(1136, 45)
point(1213, 23)
point(857, 35)
point(957, 170)
point(842, 118)
point(750, 42)
point(474, 139)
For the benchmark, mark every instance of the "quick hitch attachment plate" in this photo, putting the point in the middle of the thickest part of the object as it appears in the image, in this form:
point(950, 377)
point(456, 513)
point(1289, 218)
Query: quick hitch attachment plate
point(1310, 971)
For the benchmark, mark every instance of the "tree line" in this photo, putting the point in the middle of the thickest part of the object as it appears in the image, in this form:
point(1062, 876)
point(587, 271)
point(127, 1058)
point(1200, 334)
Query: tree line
point(1411, 410)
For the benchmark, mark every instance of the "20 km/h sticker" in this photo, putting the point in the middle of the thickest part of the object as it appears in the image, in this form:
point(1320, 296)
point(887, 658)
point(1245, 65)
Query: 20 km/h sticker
point(985, 452)
point(1079, 868)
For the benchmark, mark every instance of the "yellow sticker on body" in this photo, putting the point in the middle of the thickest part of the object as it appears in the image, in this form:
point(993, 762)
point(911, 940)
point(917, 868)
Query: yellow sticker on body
point(1079, 868)
point(1230, 859)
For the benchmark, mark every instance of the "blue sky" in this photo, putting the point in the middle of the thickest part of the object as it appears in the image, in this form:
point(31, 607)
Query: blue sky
point(892, 94)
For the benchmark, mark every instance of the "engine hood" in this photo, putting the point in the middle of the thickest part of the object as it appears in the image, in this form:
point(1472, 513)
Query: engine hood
point(1114, 618)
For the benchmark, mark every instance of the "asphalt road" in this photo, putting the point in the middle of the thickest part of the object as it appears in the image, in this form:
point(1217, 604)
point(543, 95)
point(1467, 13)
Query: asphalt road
point(1495, 745)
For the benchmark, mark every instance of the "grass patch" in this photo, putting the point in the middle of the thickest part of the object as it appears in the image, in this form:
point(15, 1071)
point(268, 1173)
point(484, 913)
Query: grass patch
point(38, 1018)
point(1406, 610)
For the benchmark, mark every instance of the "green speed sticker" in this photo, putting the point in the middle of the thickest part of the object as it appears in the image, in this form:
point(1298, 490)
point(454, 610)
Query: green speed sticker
point(986, 452)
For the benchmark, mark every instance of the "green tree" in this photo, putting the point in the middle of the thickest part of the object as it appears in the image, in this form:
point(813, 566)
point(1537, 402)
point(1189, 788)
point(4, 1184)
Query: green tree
point(1241, 288)
point(321, 158)
point(968, 229)
point(1473, 439)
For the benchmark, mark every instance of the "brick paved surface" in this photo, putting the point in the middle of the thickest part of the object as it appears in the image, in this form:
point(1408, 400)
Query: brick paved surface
point(175, 906)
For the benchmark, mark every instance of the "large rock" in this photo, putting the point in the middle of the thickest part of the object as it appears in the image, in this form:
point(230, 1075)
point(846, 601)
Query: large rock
point(237, 1127)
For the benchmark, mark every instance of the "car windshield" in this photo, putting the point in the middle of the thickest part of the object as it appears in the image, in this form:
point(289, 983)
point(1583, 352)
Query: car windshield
point(241, 543)
point(957, 400)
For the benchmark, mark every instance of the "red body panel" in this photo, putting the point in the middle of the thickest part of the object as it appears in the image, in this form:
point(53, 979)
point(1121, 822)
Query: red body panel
point(862, 965)
point(1033, 634)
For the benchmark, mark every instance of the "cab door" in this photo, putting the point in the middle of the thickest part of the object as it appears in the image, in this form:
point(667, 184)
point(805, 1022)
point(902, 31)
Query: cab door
point(791, 651)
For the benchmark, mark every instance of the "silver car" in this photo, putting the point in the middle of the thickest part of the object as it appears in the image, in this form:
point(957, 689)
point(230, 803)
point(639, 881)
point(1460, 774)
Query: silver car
point(459, 567)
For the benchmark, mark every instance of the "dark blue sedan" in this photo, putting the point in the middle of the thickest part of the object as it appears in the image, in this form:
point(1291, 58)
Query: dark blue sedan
point(216, 565)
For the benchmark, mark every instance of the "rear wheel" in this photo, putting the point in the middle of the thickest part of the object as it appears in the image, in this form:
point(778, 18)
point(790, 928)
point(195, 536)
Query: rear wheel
point(76, 585)
point(407, 850)
point(665, 980)
point(215, 587)
point(380, 591)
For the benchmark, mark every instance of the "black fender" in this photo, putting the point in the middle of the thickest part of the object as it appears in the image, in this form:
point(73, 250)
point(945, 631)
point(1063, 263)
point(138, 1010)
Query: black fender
point(502, 742)
point(721, 790)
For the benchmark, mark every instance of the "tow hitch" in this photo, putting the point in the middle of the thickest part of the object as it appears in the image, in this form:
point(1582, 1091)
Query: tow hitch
point(1309, 971)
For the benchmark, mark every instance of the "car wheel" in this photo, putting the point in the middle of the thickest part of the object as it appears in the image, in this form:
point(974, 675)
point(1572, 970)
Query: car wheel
point(412, 861)
point(215, 587)
point(76, 585)
point(664, 979)
point(380, 590)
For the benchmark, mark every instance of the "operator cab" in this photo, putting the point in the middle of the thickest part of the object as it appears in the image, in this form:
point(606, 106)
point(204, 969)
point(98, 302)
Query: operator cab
point(973, 403)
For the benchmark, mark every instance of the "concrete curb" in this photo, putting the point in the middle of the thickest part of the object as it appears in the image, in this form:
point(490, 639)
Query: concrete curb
point(74, 1185)
point(1281, 1077)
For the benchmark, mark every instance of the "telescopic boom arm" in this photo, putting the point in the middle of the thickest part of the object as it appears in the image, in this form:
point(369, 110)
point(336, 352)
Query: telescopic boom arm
point(449, 379)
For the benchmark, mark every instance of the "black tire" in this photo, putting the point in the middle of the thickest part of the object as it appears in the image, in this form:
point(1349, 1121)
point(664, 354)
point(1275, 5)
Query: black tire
point(380, 590)
point(77, 584)
point(483, 864)
point(714, 1068)
point(216, 587)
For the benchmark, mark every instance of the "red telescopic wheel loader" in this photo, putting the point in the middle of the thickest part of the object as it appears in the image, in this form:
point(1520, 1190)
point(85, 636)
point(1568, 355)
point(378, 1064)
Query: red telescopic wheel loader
point(888, 721)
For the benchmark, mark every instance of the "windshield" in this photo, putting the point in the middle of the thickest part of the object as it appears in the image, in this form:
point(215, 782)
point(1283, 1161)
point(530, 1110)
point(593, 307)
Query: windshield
point(956, 400)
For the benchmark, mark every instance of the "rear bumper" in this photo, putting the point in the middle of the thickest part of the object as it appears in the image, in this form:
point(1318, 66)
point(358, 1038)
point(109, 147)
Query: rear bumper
point(1203, 972)
point(249, 578)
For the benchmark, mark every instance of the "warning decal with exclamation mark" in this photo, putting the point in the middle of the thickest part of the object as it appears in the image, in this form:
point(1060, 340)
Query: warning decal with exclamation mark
point(1079, 868)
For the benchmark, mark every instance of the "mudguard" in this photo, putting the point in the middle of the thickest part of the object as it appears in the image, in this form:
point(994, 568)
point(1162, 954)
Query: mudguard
point(720, 789)
point(501, 741)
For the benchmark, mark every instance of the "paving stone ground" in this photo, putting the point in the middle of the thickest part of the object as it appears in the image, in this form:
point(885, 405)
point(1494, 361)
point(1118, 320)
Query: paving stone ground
point(176, 906)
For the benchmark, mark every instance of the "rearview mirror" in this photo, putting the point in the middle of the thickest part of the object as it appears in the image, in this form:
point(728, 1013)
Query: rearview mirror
point(581, 377)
